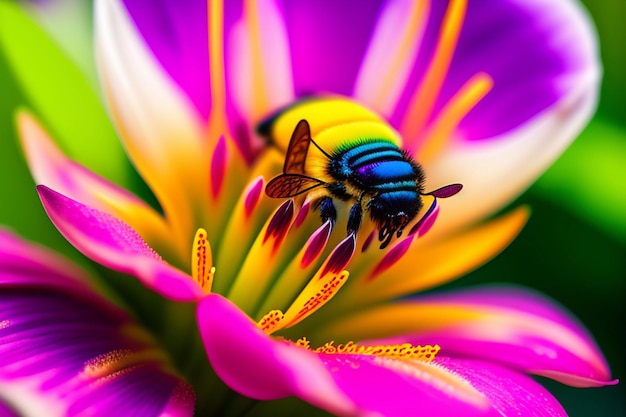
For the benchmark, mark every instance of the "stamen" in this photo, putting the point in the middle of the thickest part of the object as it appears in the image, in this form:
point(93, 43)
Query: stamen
point(391, 257)
point(420, 224)
point(217, 117)
point(368, 240)
point(316, 244)
point(297, 273)
point(259, 91)
point(463, 101)
point(382, 84)
point(279, 225)
point(424, 97)
point(271, 322)
point(428, 222)
point(317, 293)
point(302, 213)
point(252, 196)
point(251, 282)
point(202, 270)
point(424, 353)
point(218, 166)
point(341, 256)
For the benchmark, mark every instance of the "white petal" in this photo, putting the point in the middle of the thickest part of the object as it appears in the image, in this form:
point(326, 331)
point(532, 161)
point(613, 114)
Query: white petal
point(158, 124)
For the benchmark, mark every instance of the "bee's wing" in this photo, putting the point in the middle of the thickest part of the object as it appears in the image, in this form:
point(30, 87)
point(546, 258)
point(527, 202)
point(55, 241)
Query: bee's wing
point(298, 149)
point(290, 185)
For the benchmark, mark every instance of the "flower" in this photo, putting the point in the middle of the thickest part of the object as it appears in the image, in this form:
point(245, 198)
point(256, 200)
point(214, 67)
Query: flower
point(186, 86)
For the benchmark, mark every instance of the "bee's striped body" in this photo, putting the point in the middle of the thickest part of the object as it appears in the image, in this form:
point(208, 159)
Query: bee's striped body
point(356, 156)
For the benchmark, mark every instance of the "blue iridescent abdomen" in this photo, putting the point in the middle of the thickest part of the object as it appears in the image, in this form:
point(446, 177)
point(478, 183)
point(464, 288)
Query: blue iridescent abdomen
point(376, 167)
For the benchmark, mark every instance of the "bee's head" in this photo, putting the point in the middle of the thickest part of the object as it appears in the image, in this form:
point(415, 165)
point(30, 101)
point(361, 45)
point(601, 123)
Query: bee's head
point(392, 211)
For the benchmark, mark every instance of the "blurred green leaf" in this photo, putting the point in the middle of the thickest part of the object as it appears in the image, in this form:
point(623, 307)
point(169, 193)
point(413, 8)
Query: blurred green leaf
point(61, 95)
point(590, 178)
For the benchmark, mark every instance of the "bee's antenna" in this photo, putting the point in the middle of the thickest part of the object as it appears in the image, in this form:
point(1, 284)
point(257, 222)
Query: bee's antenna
point(321, 150)
point(445, 191)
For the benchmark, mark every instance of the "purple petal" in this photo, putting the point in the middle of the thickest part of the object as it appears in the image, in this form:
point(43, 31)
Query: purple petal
point(177, 33)
point(515, 327)
point(111, 242)
point(23, 264)
point(326, 55)
point(526, 48)
point(65, 350)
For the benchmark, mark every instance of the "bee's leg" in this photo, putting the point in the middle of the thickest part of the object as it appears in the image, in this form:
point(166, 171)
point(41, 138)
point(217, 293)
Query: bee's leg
point(355, 217)
point(328, 210)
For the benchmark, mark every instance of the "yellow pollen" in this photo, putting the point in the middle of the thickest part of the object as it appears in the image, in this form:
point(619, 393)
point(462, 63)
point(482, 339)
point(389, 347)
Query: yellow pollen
point(271, 322)
point(201, 269)
point(117, 360)
point(453, 112)
point(319, 290)
point(317, 293)
point(423, 100)
point(424, 353)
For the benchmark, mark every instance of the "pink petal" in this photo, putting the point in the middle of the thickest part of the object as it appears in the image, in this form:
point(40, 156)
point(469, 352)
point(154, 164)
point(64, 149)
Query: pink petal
point(257, 366)
point(392, 387)
point(114, 244)
point(510, 393)
point(515, 327)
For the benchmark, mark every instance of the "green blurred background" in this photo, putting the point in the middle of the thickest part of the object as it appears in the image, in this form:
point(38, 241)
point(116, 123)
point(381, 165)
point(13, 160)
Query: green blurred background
point(573, 248)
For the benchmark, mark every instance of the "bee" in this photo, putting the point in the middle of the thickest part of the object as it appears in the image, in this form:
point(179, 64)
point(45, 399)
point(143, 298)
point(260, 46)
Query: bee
point(356, 157)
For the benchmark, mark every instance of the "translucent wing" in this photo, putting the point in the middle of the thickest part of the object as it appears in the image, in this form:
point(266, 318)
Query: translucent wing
point(298, 148)
point(290, 185)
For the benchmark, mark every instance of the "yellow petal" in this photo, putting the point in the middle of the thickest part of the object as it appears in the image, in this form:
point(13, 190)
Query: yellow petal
point(428, 264)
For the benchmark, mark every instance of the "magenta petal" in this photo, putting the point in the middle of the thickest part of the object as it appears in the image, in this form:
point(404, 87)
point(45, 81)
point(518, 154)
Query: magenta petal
point(257, 366)
point(510, 393)
point(520, 329)
point(113, 243)
point(261, 367)
point(392, 388)
point(65, 350)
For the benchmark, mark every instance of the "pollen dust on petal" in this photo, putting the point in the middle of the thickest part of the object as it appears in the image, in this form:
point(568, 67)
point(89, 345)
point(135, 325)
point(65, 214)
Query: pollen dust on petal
point(117, 361)
point(424, 353)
